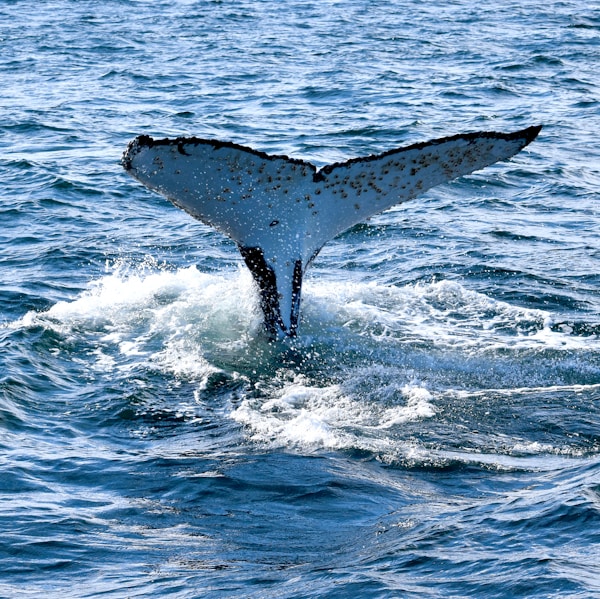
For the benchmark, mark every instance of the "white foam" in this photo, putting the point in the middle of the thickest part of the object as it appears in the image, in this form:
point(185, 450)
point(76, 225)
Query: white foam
point(163, 317)
point(442, 314)
point(418, 406)
point(513, 391)
point(299, 413)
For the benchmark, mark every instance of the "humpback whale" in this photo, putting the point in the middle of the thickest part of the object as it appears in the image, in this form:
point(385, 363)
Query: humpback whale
point(281, 211)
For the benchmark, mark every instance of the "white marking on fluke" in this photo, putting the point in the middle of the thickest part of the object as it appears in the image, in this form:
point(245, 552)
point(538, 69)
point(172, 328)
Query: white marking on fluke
point(281, 211)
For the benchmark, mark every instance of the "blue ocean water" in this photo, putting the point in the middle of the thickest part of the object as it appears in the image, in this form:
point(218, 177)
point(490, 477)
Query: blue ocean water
point(434, 431)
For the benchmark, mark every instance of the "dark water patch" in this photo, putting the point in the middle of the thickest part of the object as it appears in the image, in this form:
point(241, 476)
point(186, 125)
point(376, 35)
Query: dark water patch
point(16, 302)
point(509, 235)
point(581, 328)
point(586, 23)
point(12, 418)
point(65, 187)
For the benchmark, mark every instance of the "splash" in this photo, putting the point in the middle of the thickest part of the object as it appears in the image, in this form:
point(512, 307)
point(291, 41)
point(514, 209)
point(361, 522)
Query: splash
point(440, 314)
point(167, 319)
point(175, 314)
point(301, 414)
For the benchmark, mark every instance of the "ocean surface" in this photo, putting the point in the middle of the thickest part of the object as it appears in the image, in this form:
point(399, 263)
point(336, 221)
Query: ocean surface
point(434, 430)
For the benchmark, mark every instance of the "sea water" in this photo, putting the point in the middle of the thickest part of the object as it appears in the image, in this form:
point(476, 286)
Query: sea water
point(434, 430)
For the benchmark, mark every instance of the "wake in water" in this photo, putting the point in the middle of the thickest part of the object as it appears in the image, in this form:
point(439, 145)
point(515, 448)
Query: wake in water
point(373, 362)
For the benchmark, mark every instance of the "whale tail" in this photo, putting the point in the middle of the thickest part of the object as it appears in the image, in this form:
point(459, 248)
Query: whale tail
point(281, 211)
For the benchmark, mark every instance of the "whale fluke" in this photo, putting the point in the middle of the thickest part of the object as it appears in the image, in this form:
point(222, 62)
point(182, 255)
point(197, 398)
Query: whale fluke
point(281, 211)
